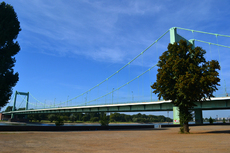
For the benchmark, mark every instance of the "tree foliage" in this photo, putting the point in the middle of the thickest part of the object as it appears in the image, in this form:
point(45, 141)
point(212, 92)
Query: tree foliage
point(224, 120)
point(72, 117)
point(9, 30)
point(51, 117)
point(21, 109)
point(9, 108)
point(59, 121)
point(94, 117)
point(104, 119)
point(211, 120)
point(184, 76)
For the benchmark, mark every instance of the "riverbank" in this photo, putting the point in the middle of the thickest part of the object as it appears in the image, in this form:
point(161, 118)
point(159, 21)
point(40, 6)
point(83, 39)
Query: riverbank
point(202, 139)
point(74, 128)
point(77, 123)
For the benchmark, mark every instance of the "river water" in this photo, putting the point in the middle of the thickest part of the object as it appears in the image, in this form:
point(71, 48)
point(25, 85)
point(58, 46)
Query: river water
point(82, 124)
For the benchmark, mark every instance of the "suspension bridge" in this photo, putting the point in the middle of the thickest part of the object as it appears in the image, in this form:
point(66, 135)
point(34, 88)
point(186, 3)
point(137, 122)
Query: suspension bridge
point(128, 89)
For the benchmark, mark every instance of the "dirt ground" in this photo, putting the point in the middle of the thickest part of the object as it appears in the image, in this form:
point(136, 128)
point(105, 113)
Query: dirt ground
point(202, 139)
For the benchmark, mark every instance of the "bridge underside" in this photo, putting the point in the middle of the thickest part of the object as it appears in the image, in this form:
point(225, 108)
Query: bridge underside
point(216, 104)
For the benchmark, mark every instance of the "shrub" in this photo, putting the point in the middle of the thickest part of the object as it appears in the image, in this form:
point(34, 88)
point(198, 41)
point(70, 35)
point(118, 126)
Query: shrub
point(224, 120)
point(65, 118)
point(210, 120)
point(59, 121)
point(72, 117)
point(51, 117)
point(104, 120)
point(94, 119)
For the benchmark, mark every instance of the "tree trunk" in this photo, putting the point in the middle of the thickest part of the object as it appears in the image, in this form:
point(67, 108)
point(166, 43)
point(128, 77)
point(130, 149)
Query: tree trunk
point(186, 127)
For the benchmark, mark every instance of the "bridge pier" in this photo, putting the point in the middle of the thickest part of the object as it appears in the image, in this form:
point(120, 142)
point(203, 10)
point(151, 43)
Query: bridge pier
point(12, 116)
point(174, 37)
point(176, 118)
point(198, 116)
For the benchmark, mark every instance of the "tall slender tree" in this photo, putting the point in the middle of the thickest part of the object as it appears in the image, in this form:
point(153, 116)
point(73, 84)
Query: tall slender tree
point(9, 30)
point(184, 76)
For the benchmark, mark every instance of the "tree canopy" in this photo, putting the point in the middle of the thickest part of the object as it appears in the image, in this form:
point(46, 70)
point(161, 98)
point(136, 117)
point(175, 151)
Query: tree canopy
point(9, 30)
point(184, 76)
point(9, 108)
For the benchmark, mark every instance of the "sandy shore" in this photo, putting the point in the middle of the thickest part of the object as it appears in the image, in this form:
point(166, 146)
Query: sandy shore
point(202, 139)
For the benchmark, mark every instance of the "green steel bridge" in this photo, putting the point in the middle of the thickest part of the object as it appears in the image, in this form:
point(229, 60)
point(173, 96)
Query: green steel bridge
point(212, 104)
point(122, 98)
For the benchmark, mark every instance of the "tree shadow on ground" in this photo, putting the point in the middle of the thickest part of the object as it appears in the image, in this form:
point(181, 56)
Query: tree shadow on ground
point(223, 131)
point(147, 129)
point(141, 129)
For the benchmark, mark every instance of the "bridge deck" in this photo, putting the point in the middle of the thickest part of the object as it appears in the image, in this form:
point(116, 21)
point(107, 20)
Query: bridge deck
point(213, 104)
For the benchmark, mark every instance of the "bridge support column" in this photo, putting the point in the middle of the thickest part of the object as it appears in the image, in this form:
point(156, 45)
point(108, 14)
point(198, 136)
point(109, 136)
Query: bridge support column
point(27, 100)
point(12, 115)
point(175, 37)
point(198, 117)
point(176, 118)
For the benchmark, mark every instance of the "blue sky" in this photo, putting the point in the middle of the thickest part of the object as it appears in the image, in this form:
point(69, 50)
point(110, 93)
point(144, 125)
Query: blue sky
point(69, 46)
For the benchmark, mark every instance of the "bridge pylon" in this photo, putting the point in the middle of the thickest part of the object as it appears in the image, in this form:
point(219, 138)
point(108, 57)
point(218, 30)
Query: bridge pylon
point(174, 37)
point(15, 98)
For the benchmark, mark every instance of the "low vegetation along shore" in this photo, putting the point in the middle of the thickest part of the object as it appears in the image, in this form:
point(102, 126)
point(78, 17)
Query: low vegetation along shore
point(102, 118)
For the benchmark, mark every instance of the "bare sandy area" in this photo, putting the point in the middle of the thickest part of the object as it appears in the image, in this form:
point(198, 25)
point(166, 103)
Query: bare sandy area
point(202, 139)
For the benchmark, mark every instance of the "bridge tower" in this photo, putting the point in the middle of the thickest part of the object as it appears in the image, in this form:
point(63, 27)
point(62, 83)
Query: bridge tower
point(15, 98)
point(174, 37)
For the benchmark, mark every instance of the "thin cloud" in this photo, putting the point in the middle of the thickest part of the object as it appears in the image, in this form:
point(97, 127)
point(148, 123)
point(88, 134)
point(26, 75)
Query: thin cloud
point(108, 31)
point(76, 27)
point(105, 54)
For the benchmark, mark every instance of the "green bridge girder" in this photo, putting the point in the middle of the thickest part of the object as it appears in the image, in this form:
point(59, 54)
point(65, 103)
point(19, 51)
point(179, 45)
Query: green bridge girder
point(213, 104)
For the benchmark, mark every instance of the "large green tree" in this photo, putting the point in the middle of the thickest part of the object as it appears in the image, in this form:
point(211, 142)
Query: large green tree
point(184, 76)
point(9, 29)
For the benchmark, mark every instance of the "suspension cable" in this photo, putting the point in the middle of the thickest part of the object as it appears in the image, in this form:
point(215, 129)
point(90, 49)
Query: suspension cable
point(121, 68)
point(203, 32)
point(212, 43)
point(125, 83)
